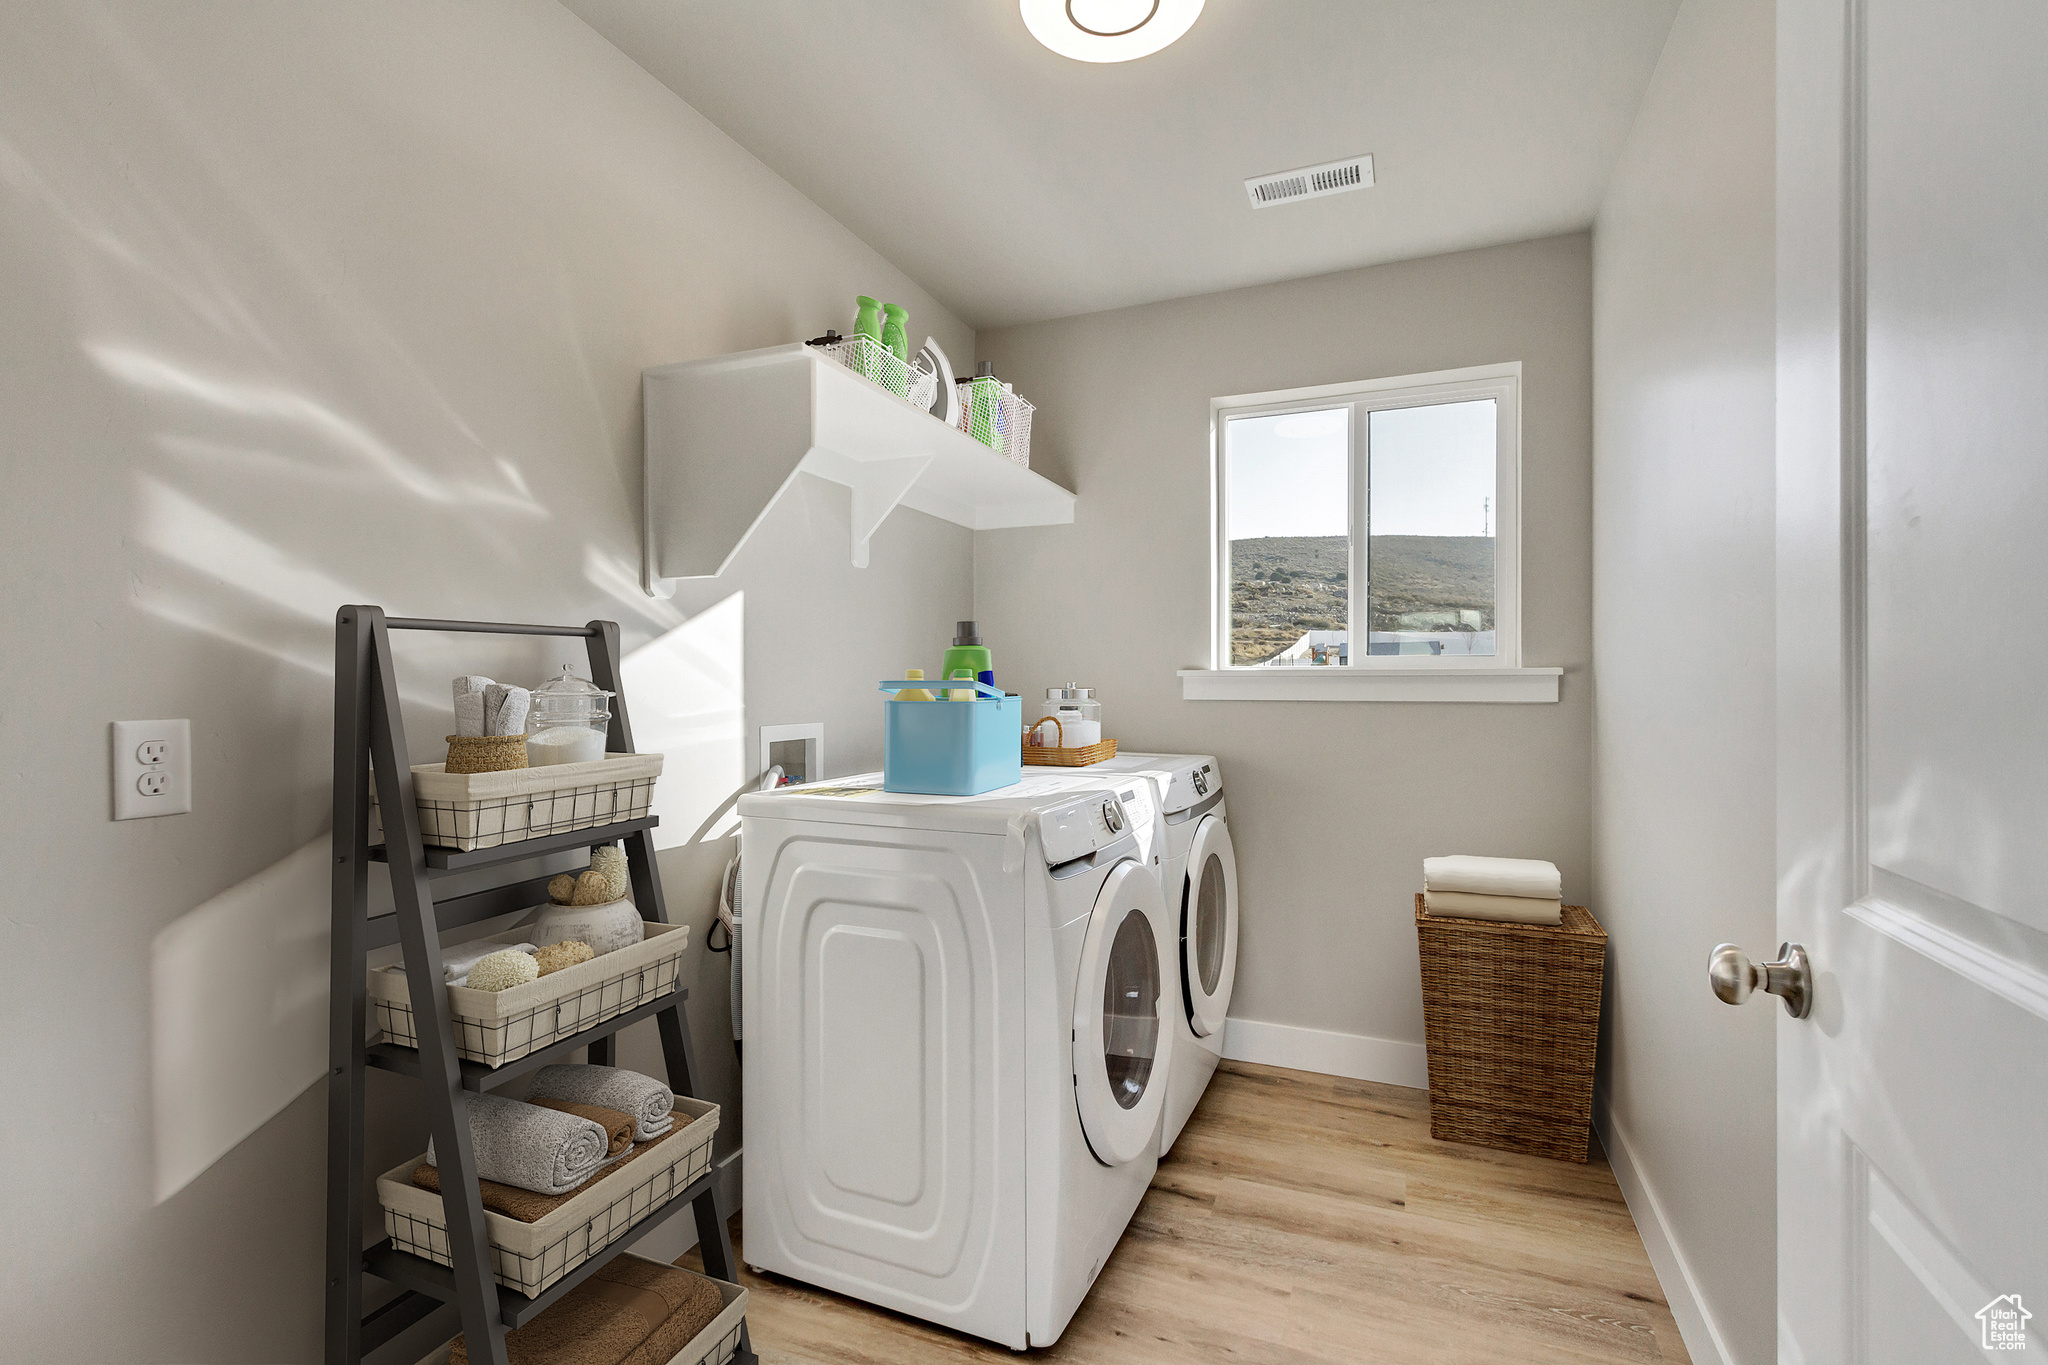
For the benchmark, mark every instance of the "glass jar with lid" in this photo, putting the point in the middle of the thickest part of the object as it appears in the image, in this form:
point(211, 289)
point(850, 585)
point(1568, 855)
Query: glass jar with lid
point(1070, 703)
point(568, 722)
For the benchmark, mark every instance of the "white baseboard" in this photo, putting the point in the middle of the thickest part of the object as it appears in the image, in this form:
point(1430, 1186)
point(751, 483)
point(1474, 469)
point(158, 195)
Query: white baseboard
point(1703, 1339)
point(1354, 1056)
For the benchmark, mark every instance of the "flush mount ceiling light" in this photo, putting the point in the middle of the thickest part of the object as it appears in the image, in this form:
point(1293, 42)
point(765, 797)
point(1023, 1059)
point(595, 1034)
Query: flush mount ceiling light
point(1108, 30)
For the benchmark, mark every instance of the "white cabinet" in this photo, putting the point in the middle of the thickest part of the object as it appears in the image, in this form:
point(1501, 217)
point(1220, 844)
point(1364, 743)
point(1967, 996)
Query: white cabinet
point(725, 436)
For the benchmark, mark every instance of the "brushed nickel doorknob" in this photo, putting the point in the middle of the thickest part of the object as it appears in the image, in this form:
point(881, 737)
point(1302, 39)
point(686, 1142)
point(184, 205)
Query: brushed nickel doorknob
point(1735, 978)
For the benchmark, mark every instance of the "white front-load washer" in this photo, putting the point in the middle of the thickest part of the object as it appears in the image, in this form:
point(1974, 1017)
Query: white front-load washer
point(1198, 879)
point(959, 1022)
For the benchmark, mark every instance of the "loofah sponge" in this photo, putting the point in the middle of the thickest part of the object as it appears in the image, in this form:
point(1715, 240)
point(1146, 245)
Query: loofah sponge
point(562, 889)
point(592, 889)
point(610, 860)
point(502, 971)
point(567, 953)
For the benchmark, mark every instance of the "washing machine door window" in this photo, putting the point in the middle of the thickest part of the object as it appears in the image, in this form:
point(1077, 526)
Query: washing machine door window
point(1208, 931)
point(1121, 1041)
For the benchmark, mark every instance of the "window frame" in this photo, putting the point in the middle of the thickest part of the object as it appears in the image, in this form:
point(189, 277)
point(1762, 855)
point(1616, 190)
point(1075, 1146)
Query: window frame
point(1501, 383)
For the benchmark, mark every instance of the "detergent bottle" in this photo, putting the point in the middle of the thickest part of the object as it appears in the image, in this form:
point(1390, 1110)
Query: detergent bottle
point(970, 654)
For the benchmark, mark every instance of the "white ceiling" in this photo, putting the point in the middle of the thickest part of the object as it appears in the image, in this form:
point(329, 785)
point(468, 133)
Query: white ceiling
point(1015, 184)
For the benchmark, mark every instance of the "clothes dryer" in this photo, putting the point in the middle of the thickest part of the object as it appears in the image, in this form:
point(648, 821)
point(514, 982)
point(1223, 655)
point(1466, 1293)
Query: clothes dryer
point(959, 1020)
point(1198, 879)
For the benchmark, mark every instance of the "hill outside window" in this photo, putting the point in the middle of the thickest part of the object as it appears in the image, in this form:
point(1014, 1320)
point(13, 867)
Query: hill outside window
point(1367, 543)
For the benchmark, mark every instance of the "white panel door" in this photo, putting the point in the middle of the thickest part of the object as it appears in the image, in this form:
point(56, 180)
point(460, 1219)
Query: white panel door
point(1913, 678)
point(883, 999)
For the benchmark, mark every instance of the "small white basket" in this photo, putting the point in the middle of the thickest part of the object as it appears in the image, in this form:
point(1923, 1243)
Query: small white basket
point(998, 419)
point(487, 810)
point(495, 1027)
point(913, 380)
point(1017, 410)
point(528, 1257)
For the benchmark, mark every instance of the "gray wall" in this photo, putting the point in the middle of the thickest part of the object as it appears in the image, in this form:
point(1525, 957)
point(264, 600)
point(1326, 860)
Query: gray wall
point(1333, 805)
point(1682, 592)
point(322, 304)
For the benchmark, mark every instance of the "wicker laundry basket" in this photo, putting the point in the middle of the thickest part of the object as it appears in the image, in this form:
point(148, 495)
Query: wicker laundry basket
point(1511, 1015)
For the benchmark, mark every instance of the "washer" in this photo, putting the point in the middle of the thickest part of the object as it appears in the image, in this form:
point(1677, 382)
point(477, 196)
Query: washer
point(959, 1021)
point(1198, 879)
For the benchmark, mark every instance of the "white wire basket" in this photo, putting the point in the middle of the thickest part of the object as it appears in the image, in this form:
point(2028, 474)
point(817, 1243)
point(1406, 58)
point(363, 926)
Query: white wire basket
point(489, 810)
point(997, 417)
point(496, 1027)
point(912, 380)
point(528, 1257)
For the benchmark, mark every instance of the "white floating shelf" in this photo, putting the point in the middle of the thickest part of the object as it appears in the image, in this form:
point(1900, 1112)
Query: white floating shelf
point(725, 436)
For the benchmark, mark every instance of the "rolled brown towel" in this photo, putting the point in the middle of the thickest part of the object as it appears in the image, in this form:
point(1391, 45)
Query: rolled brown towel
point(617, 1127)
point(631, 1312)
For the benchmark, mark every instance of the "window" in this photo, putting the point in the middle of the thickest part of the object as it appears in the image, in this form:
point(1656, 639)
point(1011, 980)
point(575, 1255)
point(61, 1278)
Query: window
point(1370, 526)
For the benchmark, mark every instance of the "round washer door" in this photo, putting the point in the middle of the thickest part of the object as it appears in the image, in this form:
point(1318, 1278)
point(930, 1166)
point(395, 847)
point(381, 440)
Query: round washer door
point(1122, 1040)
point(1208, 927)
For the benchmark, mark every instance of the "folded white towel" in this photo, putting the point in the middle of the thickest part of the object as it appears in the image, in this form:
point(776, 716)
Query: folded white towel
point(505, 709)
point(471, 713)
point(1513, 909)
point(458, 958)
point(1493, 877)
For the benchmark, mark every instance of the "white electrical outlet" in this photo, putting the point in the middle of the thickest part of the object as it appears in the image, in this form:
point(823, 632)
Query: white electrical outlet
point(152, 768)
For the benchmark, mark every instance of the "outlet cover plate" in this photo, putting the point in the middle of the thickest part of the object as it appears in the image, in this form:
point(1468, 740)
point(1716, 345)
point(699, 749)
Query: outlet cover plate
point(152, 756)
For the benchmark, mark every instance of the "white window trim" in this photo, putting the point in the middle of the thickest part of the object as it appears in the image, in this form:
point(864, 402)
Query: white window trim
point(1499, 678)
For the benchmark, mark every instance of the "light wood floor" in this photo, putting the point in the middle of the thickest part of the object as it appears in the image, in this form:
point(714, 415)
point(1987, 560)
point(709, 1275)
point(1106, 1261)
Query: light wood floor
point(1307, 1220)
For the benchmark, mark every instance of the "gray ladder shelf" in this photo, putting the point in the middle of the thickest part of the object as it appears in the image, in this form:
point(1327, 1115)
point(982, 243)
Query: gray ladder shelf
point(369, 734)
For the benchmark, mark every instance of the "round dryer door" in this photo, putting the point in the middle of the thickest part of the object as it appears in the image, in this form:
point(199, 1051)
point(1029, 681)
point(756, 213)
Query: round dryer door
point(1208, 927)
point(1121, 1035)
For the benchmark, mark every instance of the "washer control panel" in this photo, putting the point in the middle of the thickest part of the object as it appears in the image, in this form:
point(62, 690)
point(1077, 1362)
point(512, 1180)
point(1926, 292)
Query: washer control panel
point(1081, 826)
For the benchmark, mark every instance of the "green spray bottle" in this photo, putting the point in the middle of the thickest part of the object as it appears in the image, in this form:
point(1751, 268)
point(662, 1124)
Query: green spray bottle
point(867, 320)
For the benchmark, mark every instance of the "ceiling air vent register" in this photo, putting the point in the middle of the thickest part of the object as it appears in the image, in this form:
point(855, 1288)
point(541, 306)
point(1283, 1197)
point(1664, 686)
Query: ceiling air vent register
point(1310, 182)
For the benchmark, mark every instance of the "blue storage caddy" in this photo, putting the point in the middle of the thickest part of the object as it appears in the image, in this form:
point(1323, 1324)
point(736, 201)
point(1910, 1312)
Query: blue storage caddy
point(951, 748)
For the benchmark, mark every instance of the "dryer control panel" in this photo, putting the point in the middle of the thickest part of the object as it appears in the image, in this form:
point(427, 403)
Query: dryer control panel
point(1081, 826)
point(1192, 785)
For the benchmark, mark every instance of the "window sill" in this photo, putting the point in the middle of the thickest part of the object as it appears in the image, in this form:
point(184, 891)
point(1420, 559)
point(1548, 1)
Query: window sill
point(1370, 684)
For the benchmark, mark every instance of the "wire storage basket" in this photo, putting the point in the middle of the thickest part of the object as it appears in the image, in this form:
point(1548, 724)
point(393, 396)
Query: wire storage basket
point(997, 416)
point(913, 380)
point(487, 810)
point(495, 1027)
point(528, 1257)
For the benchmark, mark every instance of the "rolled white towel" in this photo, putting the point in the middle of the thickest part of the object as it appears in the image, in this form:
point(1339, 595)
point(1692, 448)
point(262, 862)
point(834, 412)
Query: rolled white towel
point(1513, 909)
point(543, 1150)
point(458, 958)
point(471, 712)
point(1528, 877)
point(646, 1099)
point(505, 709)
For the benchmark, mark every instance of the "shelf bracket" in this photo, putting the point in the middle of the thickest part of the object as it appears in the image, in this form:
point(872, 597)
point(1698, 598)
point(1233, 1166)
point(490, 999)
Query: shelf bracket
point(878, 486)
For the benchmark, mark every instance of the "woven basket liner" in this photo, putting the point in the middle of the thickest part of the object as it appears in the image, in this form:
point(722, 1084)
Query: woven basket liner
point(1511, 1016)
